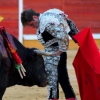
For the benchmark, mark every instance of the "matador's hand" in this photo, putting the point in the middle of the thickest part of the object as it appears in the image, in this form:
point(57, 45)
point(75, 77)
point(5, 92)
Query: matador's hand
point(57, 53)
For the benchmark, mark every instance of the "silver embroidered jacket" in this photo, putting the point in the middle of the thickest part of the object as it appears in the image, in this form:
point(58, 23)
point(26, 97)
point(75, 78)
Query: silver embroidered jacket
point(54, 22)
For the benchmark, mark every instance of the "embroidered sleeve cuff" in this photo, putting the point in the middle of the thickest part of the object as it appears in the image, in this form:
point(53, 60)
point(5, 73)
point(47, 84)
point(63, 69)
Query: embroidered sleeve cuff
point(62, 46)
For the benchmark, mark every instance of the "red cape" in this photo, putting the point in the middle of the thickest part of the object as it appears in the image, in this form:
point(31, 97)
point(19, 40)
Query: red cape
point(87, 66)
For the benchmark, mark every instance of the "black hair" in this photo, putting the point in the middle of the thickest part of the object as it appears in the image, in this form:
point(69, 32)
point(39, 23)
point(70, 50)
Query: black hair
point(27, 16)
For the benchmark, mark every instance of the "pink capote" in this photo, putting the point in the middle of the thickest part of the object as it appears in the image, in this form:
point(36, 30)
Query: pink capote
point(87, 66)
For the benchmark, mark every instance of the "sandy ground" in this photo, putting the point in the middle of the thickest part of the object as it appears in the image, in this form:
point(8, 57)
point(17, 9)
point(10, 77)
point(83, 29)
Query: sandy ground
point(37, 93)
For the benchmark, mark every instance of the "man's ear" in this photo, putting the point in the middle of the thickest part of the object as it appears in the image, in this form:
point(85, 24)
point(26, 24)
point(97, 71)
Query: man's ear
point(35, 17)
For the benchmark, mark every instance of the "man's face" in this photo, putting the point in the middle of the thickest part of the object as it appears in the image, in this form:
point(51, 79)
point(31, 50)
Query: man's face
point(34, 23)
